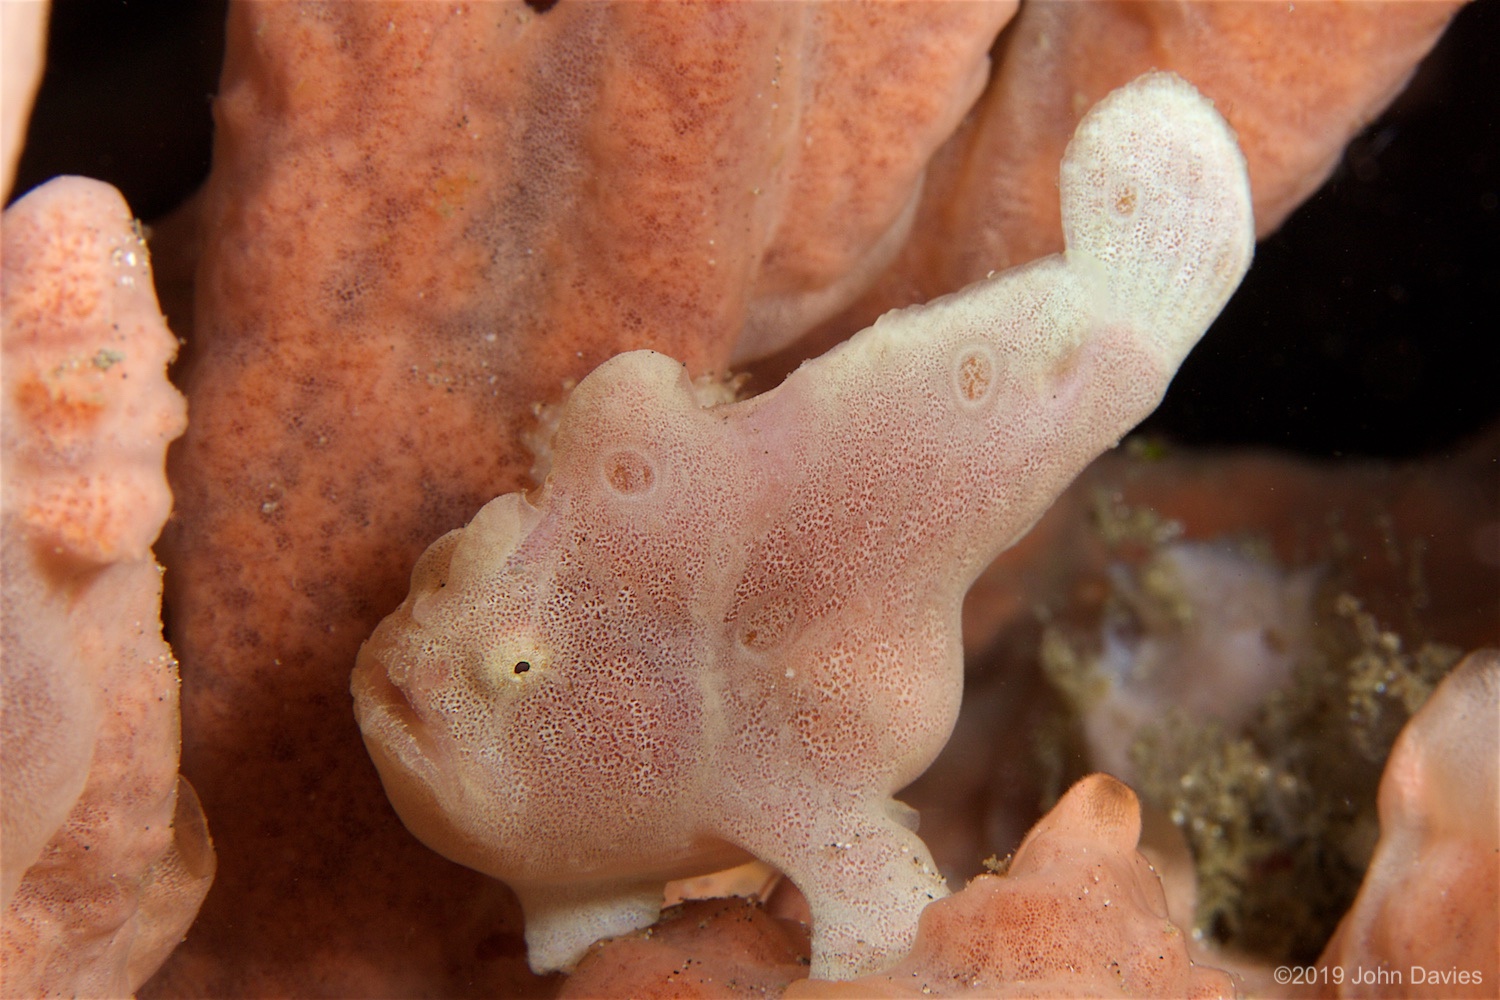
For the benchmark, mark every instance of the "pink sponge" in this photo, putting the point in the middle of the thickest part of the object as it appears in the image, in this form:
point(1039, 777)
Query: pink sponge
point(1079, 913)
point(1425, 923)
point(104, 855)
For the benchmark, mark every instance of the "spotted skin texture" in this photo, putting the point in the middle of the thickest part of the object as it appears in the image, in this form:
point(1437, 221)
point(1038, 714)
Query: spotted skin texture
point(730, 630)
point(422, 219)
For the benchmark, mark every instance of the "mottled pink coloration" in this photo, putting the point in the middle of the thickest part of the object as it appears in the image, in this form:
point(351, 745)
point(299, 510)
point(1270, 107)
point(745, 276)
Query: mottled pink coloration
point(733, 629)
point(105, 854)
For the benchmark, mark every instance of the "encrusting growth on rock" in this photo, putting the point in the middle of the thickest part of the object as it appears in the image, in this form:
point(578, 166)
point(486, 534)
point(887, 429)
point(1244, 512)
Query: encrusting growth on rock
point(727, 630)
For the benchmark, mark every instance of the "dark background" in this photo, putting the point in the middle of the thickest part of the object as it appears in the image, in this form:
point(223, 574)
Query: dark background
point(1366, 327)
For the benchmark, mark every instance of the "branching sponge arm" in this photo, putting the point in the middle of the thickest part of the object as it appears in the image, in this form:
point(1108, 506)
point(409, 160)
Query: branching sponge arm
point(733, 629)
